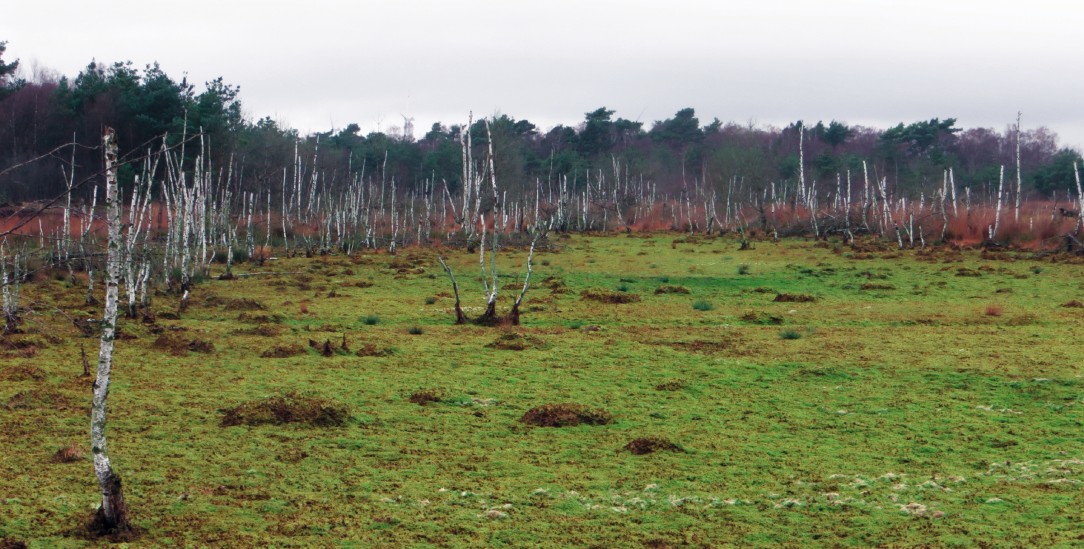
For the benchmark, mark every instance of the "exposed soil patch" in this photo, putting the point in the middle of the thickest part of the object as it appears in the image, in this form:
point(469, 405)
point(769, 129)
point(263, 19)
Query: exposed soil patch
point(647, 445)
point(1074, 304)
point(516, 342)
point(238, 304)
point(22, 372)
point(607, 296)
point(370, 349)
point(178, 346)
point(701, 346)
point(37, 400)
point(877, 286)
point(283, 351)
point(422, 397)
point(668, 289)
point(794, 298)
point(261, 330)
point(671, 385)
point(259, 319)
point(11, 543)
point(566, 415)
point(756, 317)
point(288, 408)
point(554, 285)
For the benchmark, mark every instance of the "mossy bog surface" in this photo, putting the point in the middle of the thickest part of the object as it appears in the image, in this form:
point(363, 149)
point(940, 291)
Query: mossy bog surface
point(903, 413)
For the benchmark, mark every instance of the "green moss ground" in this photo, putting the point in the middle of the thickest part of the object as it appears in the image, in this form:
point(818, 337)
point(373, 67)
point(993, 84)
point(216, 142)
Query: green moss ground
point(902, 413)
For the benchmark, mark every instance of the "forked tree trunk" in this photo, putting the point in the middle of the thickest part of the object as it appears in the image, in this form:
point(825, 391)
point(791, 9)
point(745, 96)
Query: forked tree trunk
point(112, 516)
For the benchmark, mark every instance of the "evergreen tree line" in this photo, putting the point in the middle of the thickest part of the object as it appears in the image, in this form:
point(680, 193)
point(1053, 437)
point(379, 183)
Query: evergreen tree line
point(143, 105)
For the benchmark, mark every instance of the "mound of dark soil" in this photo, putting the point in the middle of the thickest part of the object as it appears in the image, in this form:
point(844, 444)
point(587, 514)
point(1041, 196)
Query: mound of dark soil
point(236, 304)
point(259, 319)
point(566, 415)
point(12, 543)
point(422, 397)
point(516, 342)
point(671, 385)
point(178, 346)
point(607, 296)
point(283, 351)
point(793, 298)
point(762, 318)
point(668, 289)
point(22, 372)
point(876, 286)
point(261, 330)
point(647, 445)
point(288, 408)
point(369, 349)
point(1074, 304)
point(37, 400)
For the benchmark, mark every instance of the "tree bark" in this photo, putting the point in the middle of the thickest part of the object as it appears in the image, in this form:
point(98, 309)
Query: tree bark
point(112, 516)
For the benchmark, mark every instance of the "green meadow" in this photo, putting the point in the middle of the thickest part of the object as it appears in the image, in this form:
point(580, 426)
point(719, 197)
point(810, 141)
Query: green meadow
point(799, 393)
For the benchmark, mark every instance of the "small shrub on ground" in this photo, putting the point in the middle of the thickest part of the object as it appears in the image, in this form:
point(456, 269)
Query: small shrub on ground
point(703, 305)
point(430, 300)
point(647, 445)
point(289, 408)
point(371, 320)
point(790, 334)
point(566, 415)
point(743, 269)
point(415, 330)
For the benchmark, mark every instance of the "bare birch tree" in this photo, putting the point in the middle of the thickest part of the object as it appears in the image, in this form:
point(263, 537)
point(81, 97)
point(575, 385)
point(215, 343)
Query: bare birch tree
point(112, 516)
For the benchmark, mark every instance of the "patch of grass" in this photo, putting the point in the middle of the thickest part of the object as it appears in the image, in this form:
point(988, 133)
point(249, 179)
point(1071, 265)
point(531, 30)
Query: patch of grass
point(370, 320)
point(703, 305)
point(790, 334)
point(415, 330)
point(744, 269)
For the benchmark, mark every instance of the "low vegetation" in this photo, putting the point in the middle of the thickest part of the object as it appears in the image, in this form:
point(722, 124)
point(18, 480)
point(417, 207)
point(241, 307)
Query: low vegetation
point(898, 416)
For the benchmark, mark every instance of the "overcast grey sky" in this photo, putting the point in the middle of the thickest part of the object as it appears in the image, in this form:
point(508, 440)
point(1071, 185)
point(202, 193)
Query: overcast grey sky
point(318, 64)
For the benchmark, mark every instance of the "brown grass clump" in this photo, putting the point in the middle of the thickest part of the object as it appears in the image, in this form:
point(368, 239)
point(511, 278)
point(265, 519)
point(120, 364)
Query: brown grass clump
point(422, 397)
point(283, 351)
point(671, 385)
point(37, 400)
point(794, 298)
point(607, 296)
point(1074, 304)
point(289, 408)
point(513, 341)
point(11, 543)
point(964, 271)
point(68, 454)
point(668, 289)
point(566, 415)
point(700, 346)
point(994, 310)
point(647, 445)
